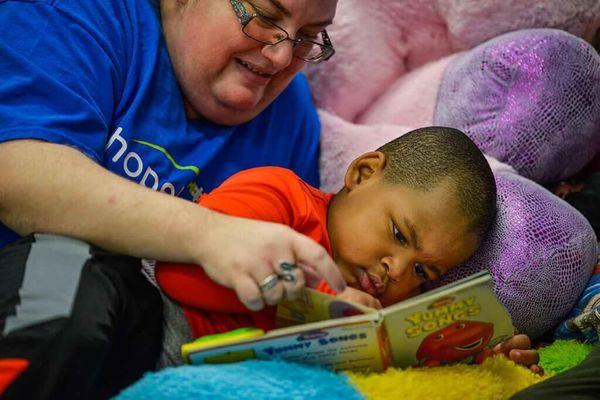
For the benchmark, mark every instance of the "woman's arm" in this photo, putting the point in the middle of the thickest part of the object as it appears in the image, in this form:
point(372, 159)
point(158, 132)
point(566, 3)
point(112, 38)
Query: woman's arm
point(52, 188)
point(265, 194)
point(55, 189)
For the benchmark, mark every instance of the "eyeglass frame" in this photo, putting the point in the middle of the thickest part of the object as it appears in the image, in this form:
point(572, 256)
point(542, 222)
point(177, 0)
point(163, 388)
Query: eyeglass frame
point(244, 17)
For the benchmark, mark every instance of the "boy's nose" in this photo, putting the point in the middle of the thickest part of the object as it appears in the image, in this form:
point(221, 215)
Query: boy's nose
point(394, 266)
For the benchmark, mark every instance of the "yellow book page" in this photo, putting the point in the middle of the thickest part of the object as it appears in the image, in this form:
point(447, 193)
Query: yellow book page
point(314, 306)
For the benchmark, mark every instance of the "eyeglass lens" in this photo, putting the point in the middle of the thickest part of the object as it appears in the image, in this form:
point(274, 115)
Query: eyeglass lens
point(264, 31)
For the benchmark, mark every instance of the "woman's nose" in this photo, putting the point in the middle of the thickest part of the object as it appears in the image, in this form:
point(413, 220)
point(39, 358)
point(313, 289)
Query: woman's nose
point(279, 54)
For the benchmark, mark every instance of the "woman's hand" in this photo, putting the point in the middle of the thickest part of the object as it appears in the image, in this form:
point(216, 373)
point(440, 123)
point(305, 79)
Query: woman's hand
point(123, 217)
point(359, 297)
point(518, 349)
point(245, 254)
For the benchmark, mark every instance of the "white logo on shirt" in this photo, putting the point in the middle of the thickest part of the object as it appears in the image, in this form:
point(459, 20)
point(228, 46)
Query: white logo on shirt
point(134, 167)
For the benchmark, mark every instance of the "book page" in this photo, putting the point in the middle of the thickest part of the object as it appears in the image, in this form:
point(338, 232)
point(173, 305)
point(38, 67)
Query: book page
point(313, 306)
point(455, 323)
point(352, 343)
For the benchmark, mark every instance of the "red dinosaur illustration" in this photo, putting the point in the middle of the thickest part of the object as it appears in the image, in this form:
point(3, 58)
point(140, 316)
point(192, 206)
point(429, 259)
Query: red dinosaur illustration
point(456, 342)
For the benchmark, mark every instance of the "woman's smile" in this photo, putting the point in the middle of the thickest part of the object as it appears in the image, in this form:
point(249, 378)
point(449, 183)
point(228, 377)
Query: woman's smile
point(253, 73)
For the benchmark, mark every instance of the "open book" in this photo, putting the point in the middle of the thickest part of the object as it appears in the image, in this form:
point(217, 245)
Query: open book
point(459, 322)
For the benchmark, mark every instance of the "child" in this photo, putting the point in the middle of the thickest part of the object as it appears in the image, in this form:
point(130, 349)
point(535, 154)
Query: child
point(407, 213)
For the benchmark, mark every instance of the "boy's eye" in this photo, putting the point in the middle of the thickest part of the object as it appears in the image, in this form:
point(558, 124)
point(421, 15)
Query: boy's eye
point(421, 271)
point(398, 235)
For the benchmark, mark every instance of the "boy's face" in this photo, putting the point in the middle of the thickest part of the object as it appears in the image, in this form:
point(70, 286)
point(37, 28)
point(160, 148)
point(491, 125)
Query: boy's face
point(388, 239)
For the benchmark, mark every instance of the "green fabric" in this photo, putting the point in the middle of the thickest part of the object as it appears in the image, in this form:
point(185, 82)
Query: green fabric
point(563, 355)
point(582, 382)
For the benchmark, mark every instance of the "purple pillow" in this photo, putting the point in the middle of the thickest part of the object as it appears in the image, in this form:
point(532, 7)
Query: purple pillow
point(529, 98)
point(540, 252)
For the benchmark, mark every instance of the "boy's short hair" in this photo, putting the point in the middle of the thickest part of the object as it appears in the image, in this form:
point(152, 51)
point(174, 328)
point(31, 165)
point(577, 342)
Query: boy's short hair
point(425, 157)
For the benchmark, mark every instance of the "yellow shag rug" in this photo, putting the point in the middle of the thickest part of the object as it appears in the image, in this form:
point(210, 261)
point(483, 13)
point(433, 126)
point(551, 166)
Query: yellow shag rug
point(497, 378)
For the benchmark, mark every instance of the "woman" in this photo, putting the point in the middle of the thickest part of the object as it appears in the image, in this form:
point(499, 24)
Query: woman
point(102, 101)
point(175, 99)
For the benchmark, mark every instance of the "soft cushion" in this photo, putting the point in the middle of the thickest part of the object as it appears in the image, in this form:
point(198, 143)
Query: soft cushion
point(529, 98)
point(379, 41)
point(540, 252)
point(250, 380)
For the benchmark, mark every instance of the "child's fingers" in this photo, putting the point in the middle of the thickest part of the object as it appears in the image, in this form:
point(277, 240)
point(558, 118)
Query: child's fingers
point(515, 342)
point(357, 296)
point(376, 304)
point(525, 357)
point(536, 369)
point(369, 301)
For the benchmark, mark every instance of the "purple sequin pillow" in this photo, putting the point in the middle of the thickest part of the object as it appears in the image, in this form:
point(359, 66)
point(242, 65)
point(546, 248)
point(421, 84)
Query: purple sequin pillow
point(532, 100)
point(528, 98)
point(540, 252)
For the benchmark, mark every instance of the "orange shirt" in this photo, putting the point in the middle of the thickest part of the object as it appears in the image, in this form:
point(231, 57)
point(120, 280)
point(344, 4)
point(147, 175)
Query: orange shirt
point(269, 194)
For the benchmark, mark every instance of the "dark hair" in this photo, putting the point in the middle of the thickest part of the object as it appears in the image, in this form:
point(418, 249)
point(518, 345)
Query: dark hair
point(425, 157)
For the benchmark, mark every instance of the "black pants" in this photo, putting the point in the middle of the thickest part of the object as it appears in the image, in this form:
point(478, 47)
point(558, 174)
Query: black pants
point(579, 383)
point(88, 321)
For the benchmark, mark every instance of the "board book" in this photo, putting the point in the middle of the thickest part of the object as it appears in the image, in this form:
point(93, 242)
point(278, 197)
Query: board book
point(459, 322)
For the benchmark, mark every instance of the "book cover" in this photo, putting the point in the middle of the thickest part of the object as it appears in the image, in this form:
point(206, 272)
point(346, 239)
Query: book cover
point(459, 322)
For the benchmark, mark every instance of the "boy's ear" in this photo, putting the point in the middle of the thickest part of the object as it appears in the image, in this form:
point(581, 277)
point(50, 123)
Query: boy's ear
point(363, 168)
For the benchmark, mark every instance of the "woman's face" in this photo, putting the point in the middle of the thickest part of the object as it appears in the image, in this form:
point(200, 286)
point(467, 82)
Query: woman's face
point(225, 76)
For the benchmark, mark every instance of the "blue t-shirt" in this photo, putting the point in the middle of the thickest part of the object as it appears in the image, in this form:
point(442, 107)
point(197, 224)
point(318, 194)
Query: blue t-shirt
point(96, 76)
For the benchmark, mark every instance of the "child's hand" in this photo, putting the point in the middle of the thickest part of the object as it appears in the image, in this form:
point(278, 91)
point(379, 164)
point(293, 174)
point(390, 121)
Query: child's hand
point(518, 349)
point(360, 297)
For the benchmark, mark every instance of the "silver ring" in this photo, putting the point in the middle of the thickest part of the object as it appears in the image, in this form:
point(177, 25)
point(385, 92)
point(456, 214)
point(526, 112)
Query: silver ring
point(288, 277)
point(287, 267)
point(269, 282)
